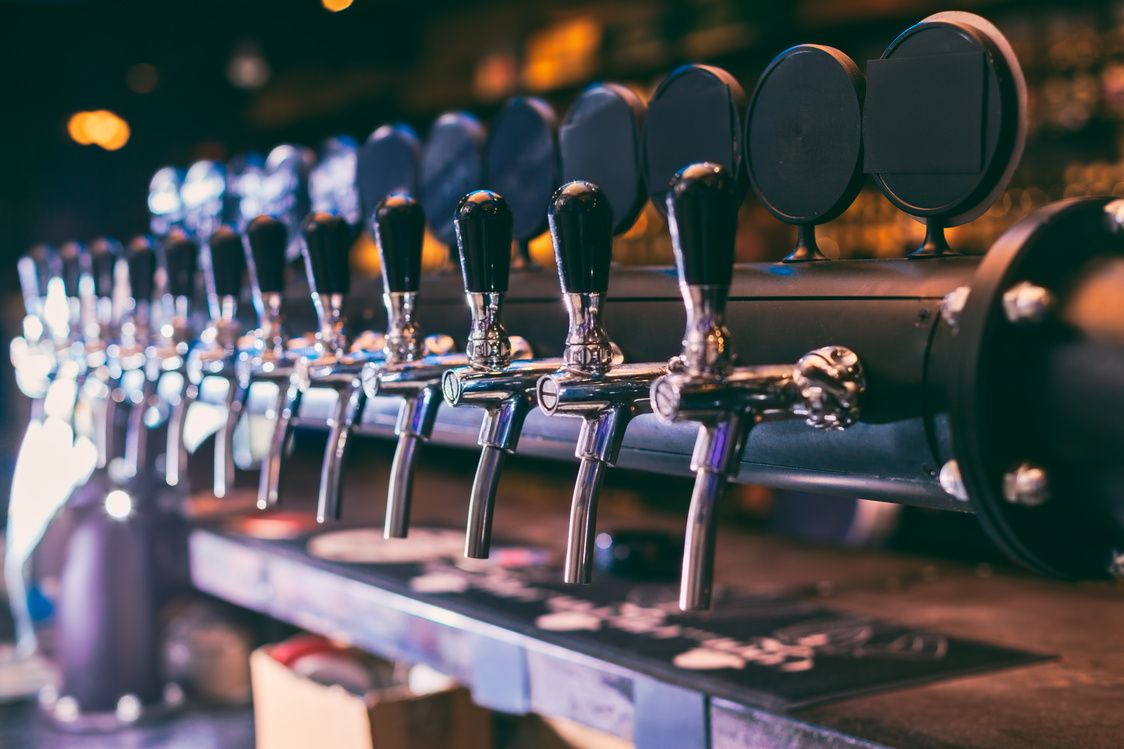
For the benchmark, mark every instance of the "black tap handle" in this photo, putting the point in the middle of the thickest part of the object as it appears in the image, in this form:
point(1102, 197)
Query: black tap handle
point(228, 261)
point(34, 270)
point(399, 227)
point(141, 259)
point(702, 210)
point(268, 238)
point(104, 254)
point(74, 257)
point(327, 243)
point(181, 255)
point(484, 234)
point(581, 225)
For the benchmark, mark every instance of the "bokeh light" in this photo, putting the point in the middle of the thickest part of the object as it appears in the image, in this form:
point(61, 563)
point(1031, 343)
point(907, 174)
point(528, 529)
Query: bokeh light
point(336, 5)
point(101, 127)
point(142, 78)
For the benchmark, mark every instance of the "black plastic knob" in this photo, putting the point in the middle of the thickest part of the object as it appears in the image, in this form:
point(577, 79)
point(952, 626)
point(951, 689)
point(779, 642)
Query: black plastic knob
point(47, 266)
point(141, 259)
point(327, 244)
point(581, 225)
point(399, 228)
point(702, 208)
point(268, 238)
point(181, 255)
point(74, 257)
point(484, 235)
point(228, 261)
point(104, 254)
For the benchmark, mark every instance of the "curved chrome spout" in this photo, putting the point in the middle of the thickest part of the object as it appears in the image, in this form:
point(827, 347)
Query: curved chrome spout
point(478, 535)
point(718, 447)
point(823, 388)
point(349, 408)
point(224, 438)
point(606, 402)
point(697, 581)
point(583, 522)
point(286, 408)
point(136, 442)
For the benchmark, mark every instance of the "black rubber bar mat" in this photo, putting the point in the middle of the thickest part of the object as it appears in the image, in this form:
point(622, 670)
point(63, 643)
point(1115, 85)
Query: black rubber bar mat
point(769, 652)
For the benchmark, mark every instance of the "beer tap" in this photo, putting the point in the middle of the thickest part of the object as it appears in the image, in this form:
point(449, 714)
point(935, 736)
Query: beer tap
point(399, 226)
point(170, 349)
point(33, 352)
point(703, 383)
point(216, 352)
point(327, 242)
point(101, 349)
point(492, 381)
point(273, 201)
point(75, 275)
point(268, 360)
point(137, 383)
point(604, 394)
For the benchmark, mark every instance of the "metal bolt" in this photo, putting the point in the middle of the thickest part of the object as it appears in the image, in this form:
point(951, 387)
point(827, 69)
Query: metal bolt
point(953, 304)
point(1026, 485)
point(1027, 303)
point(951, 481)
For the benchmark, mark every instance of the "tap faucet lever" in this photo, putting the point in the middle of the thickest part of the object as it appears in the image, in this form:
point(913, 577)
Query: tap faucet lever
point(327, 241)
point(406, 371)
point(101, 333)
point(135, 337)
point(264, 251)
point(181, 262)
point(591, 385)
point(266, 241)
point(704, 385)
point(218, 355)
point(505, 390)
point(399, 227)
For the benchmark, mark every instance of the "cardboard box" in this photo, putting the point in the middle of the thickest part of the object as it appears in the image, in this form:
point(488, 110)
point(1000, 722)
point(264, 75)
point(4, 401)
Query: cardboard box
point(294, 712)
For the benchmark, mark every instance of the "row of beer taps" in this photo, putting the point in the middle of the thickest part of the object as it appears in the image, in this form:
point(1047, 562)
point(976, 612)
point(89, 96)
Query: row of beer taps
point(703, 384)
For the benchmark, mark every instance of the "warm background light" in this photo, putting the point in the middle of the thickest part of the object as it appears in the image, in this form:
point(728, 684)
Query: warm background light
point(101, 127)
point(142, 78)
point(336, 5)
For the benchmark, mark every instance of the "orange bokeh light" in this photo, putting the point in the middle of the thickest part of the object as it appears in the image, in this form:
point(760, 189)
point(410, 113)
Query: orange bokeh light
point(562, 54)
point(336, 5)
point(100, 127)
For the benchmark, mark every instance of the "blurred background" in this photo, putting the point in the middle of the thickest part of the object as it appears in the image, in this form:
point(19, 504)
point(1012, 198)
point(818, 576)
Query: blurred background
point(98, 94)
